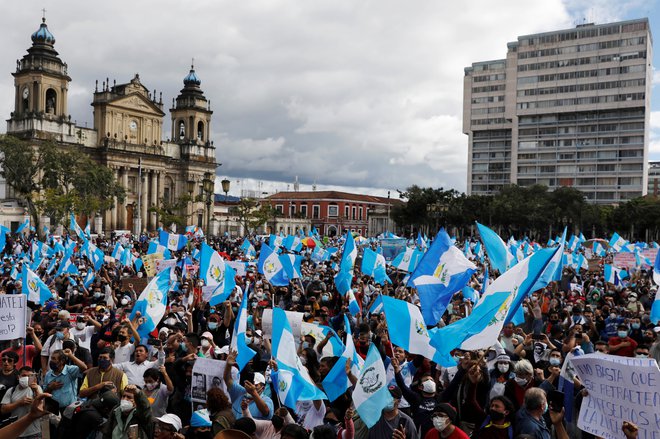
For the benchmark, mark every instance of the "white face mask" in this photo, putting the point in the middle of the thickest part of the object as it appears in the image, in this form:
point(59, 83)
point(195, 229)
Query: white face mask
point(205, 343)
point(440, 423)
point(126, 406)
point(503, 368)
point(150, 386)
point(80, 325)
point(23, 382)
point(428, 386)
point(522, 382)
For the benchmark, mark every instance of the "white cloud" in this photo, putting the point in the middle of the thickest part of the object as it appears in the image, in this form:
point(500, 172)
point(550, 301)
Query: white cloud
point(351, 94)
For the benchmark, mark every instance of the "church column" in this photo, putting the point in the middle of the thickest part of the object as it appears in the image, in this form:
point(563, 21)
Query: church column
point(115, 208)
point(145, 199)
point(128, 222)
point(154, 198)
point(161, 182)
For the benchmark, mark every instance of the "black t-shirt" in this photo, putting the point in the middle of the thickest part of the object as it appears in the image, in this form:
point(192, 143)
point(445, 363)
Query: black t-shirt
point(7, 382)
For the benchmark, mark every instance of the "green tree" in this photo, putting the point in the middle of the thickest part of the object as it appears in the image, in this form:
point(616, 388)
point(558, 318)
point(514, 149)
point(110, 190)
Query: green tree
point(173, 212)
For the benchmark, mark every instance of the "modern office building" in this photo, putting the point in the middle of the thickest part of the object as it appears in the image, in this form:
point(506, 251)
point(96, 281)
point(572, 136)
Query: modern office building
point(653, 187)
point(565, 108)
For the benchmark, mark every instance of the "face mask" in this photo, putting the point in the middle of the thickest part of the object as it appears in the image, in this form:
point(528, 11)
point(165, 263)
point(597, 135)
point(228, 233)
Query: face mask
point(642, 355)
point(124, 301)
point(170, 322)
point(183, 347)
point(98, 295)
point(612, 316)
point(496, 416)
point(522, 382)
point(23, 382)
point(59, 335)
point(555, 361)
point(305, 345)
point(212, 325)
point(545, 410)
point(428, 386)
point(104, 363)
point(633, 299)
point(53, 366)
point(636, 325)
point(325, 298)
point(503, 368)
point(622, 334)
point(80, 325)
point(389, 407)
point(150, 386)
point(260, 296)
point(121, 337)
point(440, 423)
point(125, 406)
point(205, 343)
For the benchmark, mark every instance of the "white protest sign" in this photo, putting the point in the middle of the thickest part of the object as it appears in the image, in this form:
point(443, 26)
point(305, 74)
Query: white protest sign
point(164, 263)
point(295, 320)
point(12, 316)
point(238, 266)
point(620, 389)
point(207, 374)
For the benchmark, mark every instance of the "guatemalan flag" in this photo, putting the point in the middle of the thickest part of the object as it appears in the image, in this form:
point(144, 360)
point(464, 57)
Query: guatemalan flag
point(270, 266)
point(407, 260)
point(655, 308)
point(89, 278)
point(500, 257)
point(67, 266)
point(611, 274)
point(373, 264)
point(371, 394)
point(336, 382)
point(94, 254)
point(155, 247)
point(443, 271)
point(34, 288)
point(481, 329)
point(248, 249)
point(214, 271)
point(292, 380)
point(73, 226)
point(291, 265)
point(117, 251)
point(172, 241)
point(617, 243)
point(566, 383)
point(25, 225)
point(406, 327)
point(238, 342)
point(152, 302)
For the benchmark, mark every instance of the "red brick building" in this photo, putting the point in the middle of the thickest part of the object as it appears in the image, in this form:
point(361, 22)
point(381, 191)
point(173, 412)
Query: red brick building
point(334, 212)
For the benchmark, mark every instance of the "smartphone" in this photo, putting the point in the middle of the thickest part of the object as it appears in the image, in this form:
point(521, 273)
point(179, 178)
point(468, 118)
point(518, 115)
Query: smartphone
point(537, 337)
point(556, 400)
point(51, 406)
point(154, 341)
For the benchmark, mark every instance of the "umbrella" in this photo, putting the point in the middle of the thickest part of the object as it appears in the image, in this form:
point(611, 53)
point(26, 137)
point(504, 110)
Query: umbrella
point(308, 242)
point(591, 242)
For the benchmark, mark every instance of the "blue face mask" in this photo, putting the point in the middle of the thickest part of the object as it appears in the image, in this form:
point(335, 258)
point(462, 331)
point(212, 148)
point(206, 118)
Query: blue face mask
point(546, 408)
point(555, 361)
point(622, 334)
point(59, 335)
point(213, 325)
point(635, 325)
point(183, 347)
point(389, 407)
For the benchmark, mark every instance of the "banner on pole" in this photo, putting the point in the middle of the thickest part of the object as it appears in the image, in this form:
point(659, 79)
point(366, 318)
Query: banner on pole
point(12, 316)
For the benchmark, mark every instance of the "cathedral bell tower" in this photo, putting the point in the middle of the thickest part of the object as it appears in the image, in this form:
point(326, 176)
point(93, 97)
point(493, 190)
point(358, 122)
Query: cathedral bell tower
point(191, 117)
point(41, 80)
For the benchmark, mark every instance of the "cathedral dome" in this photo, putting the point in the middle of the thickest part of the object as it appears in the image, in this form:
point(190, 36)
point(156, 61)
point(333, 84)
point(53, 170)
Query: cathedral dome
point(191, 78)
point(43, 35)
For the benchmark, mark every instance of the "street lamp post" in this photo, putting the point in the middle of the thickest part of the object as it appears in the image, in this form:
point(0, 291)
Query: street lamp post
point(208, 184)
point(225, 187)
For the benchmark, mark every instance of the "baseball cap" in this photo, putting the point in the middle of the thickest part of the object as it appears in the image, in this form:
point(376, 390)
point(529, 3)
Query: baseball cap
point(207, 334)
point(62, 324)
point(395, 392)
point(172, 420)
point(447, 409)
point(201, 418)
point(259, 378)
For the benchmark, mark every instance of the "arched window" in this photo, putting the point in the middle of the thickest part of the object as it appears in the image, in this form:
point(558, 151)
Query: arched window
point(182, 129)
point(51, 101)
point(200, 131)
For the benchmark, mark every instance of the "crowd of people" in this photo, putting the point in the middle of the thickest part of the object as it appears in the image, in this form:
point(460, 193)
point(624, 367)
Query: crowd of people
point(84, 371)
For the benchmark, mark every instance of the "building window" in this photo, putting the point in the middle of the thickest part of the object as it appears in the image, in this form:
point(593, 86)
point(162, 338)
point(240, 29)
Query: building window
point(361, 213)
point(279, 209)
point(292, 210)
point(303, 211)
point(316, 211)
point(51, 101)
point(353, 211)
point(346, 211)
point(200, 131)
point(182, 130)
point(333, 210)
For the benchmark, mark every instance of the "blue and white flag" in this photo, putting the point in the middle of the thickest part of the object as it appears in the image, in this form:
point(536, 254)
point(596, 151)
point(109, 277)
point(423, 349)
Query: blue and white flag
point(34, 288)
point(421, 242)
point(126, 258)
point(214, 271)
point(88, 230)
point(611, 274)
point(655, 307)
point(238, 342)
point(89, 278)
point(155, 247)
point(67, 267)
point(73, 226)
point(172, 241)
point(349, 253)
point(406, 327)
point(481, 329)
point(443, 271)
point(291, 265)
point(292, 380)
point(336, 383)
point(152, 302)
point(371, 394)
point(353, 305)
point(599, 250)
point(117, 251)
point(500, 258)
point(566, 384)
point(25, 225)
point(248, 249)
point(407, 260)
point(292, 243)
point(617, 243)
point(94, 254)
point(373, 264)
point(275, 241)
point(270, 266)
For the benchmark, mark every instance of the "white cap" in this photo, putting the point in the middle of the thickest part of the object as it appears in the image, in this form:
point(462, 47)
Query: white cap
point(259, 378)
point(208, 335)
point(222, 350)
point(172, 420)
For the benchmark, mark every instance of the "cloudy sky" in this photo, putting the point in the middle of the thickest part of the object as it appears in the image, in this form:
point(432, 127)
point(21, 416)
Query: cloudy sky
point(359, 94)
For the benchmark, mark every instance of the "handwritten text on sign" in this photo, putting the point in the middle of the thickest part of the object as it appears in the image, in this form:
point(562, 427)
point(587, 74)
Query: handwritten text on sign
point(12, 316)
point(620, 389)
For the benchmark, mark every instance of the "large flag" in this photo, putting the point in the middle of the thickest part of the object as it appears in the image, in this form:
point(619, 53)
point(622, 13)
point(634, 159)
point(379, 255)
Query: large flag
point(270, 266)
point(248, 249)
point(152, 302)
point(238, 342)
point(349, 253)
point(611, 274)
point(172, 241)
point(336, 382)
point(406, 327)
point(94, 254)
point(618, 243)
point(407, 260)
point(500, 257)
point(155, 247)
point(34, 288)
point(73, 226)
point(67, 266)
point(443, 271)
point(117, 251)
point(373, 264)
point(481, 329)
point(371, 394)
point(655, 308)
point(292, 380)
point(214, 271)
point(291, 265)
point(24, 225)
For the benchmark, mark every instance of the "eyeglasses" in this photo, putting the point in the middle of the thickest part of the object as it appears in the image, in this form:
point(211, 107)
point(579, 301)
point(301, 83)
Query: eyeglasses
point(7, 360)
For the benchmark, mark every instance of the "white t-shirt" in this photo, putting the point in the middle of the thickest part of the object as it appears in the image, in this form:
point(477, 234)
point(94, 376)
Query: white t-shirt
point(308, 415)
point(16, 394)
point(51, 345)
point(83, 336)
point(123, 353)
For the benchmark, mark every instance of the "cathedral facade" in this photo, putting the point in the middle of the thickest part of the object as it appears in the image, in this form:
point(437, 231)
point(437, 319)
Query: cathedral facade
point(127, 135)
